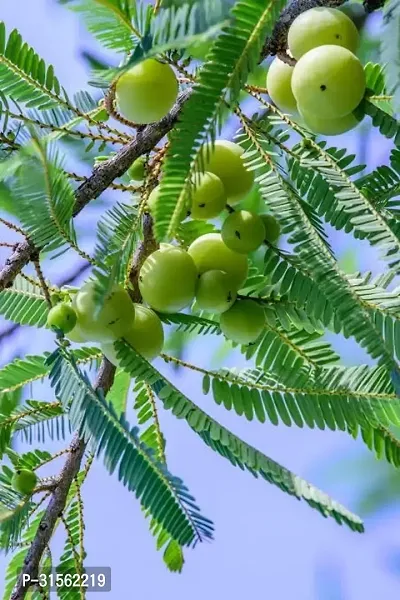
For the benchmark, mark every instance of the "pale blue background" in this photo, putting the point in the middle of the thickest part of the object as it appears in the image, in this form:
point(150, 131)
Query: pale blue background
point(267, 544)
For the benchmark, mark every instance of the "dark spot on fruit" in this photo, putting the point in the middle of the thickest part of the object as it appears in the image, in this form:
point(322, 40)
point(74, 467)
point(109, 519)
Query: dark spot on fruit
point(188, 213)
point(237, 234)
point(338, 36)
point(202, 205)
point(322, 87)
point(114, 321)
point(140, 278)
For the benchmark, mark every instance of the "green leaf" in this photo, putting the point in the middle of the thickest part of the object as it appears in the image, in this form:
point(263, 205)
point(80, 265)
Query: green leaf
point(96, 420)
point(21, 372)
point(46, 199)
point(24, 304)
point(117, 235)
point(70, 560)
point(234, 54)
point(173, 557)
point(312, 252)
point(24, 75)
point(387, 125)
point(13, 517)
point(118, 394)
point(227, 444)
point(16, 563)
point(109, 21)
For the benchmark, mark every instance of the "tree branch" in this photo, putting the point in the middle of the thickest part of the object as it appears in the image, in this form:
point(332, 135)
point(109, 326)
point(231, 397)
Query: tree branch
point(103, 175)
point(146, 247)
point(59, 497)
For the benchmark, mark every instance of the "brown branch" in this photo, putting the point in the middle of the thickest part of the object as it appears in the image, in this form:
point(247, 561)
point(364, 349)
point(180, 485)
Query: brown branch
point(146, 247)
point(371, 5)
point(103, 175)
point(58, 498)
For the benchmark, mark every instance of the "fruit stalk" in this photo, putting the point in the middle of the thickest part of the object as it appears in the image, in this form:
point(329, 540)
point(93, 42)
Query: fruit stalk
point(59, 497)
point(100, 179)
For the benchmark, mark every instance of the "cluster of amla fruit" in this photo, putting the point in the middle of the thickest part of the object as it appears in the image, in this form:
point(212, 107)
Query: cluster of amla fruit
point(210, 272)
point(82, 321)
point(215, 266)
point(328, 81)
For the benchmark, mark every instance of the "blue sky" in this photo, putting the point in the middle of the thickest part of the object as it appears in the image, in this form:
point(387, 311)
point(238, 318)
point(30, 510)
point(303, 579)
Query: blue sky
point(267, 545)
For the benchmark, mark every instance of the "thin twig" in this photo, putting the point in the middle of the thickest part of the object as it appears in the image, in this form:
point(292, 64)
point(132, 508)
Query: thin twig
point(42, 281)
point(132, 189)
point(59, 497)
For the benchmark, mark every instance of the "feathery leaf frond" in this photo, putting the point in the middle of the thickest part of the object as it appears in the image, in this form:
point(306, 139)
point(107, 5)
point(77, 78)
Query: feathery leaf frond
point(234, 53)
point(97, 422)
point(227, 444)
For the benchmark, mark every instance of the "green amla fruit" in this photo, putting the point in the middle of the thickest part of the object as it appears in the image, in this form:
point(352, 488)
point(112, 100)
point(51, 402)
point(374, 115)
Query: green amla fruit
point(215, 292)
point(243, 231)
point(137, 171)
point(24, 481)
point(272, 228)
point(244, 322)
point(329, 126)
point(328, 82)
point(63, 317)
point(167, 279)
point(209, 197)
point(321, 26)
point(147, 92)
point(279, 86)
point(115, 317)
point(210, 253)
point(146, 336)
point(225, 160)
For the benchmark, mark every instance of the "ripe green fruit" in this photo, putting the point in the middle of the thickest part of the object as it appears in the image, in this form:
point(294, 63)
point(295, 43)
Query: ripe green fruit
point(137, 170)
point(243, 231)
point(244, 322)
point(226, 162)
point(322, 26)
point(167, 279)
point(209, 197)
point(152, 199)
point(329, 82)
point(63, 317)
point(329, 126)
point(147, 92)
point(115, 317)
point(77, 335)
point(146, 336)
point(210, 253)
point(279, 86)
point(24, 481)
point(272, 228)
point(215, 292)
